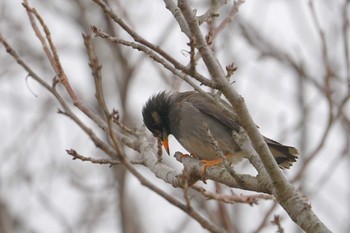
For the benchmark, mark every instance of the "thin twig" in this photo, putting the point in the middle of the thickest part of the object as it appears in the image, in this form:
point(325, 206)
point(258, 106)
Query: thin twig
point(76, 155)
point(152, 47)
point(227, 20)
point(59, 70)
point(49, 55)
point(213, 11)
point(267, 215)
point(277, 221)
point(123, 127)
point(346, 25)
point(96, 72)
point(153, 56)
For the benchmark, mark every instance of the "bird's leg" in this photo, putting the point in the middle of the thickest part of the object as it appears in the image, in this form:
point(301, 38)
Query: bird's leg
point(210, 163)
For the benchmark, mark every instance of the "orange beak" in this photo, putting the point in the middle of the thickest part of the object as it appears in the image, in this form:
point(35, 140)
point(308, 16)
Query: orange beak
point(165, 141)
point(166, 145)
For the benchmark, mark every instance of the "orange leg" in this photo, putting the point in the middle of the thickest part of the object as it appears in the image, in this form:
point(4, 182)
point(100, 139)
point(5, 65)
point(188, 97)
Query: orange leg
point(209, 163)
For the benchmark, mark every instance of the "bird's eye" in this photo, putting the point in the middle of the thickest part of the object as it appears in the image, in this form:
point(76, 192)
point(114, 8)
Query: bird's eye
point(155, 117)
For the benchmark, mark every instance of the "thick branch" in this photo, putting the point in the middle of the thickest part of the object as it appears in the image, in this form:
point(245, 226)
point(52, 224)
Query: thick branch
point(284, 192)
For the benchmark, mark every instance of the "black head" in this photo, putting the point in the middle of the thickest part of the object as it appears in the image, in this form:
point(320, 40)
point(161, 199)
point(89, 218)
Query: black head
point(156, 115)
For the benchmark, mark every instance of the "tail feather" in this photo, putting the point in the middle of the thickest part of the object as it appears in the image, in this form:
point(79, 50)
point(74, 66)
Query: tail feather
point(285, 155)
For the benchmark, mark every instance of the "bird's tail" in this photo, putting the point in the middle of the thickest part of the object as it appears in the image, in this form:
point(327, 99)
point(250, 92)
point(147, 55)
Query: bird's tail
point(285, 155)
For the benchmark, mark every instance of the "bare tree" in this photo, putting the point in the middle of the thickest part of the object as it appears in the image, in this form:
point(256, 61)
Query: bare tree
point(117, 54)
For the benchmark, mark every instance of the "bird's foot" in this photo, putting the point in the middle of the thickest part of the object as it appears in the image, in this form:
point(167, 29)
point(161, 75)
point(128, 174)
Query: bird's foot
point(209, 163)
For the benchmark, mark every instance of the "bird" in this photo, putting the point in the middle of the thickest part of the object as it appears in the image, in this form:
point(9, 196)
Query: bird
point(196, 122)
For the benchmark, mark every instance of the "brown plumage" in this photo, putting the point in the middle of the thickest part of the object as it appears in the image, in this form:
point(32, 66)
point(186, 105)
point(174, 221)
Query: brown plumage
point(185, 114)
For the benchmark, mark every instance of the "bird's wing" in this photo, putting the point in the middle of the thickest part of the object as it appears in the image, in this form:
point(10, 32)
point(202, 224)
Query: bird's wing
point(211, 109)
point(284, 155)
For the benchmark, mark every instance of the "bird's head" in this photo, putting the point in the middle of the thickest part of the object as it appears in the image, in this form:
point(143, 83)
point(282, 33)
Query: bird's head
point(156, 117)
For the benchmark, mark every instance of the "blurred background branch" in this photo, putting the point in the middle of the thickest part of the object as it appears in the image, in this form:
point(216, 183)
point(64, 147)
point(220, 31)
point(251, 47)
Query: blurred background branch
point(293, 70)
